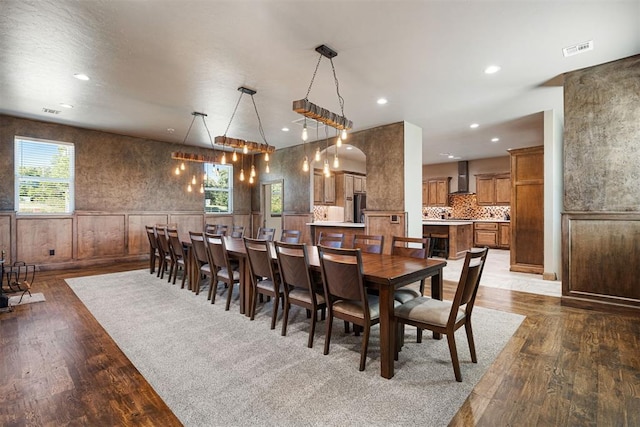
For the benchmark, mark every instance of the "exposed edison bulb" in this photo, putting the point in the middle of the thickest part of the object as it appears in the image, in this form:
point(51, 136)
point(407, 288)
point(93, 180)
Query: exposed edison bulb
point(252, 173)
point(267, 169)
point(305, 164)
point(182, 166)
point(245, 149)
point(339, 142)
point(250, 180)
point(325, 169)
point(241, 174)
point(336, 163)
point(189, 188)
point(343, 135)
point(305, 134)
point(201, 188)
point(317, 158)
point(235, 156)
point(217, 172)
point(266, 157)
point(193, 180)
point(224, 159)
point(177, 171)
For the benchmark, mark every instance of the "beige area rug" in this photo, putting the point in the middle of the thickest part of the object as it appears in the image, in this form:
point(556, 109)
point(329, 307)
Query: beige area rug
point(217, 368)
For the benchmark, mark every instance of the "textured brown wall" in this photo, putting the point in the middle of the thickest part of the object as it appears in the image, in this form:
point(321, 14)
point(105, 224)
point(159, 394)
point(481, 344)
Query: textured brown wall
point(384, 148)
point(113, 172)
point(601, 137)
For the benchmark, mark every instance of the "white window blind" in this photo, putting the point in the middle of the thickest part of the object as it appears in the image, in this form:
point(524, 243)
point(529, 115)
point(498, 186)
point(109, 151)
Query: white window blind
point(44, 176)
point(218, 188)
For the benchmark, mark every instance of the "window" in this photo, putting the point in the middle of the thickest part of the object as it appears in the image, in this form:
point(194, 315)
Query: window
point(218, 188)
point(276, 199)
point(44, 176)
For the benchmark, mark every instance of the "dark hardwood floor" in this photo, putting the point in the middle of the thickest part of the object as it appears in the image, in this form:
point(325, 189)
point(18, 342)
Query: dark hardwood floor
point(564, 366)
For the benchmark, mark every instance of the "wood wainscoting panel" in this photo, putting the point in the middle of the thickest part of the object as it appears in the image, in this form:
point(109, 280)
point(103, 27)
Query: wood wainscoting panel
point(35, 237)
point(295, 221)
point(602, 260)
point(387, 224)
point(5, 237)
point(138, 242)
point(187, 222)
point(101, 235)
point(243, 219)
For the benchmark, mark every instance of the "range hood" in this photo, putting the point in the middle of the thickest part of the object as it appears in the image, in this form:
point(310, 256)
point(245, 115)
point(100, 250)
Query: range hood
point(463, 178)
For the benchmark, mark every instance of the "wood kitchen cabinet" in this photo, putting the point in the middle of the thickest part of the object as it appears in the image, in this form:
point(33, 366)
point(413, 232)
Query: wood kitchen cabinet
point(437, 191)
point(493, 189)
point(324, 189)
point(491, 234)
point(345, 187)
point(504, 235)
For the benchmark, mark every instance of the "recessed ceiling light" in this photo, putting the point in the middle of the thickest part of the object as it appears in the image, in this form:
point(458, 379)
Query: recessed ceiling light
point(62, 104)
point(495, 139)
point(81, 76)
point(473, 125)
point(285, 129)
point(445, 154)
point(349, 147)
point(171, 130)
point(451, 156)
point(492, 69)
point(382, 101)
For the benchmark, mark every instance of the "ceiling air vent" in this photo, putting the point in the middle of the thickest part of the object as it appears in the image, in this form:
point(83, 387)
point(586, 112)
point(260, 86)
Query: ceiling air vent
point(50, 111)
point(578, 48)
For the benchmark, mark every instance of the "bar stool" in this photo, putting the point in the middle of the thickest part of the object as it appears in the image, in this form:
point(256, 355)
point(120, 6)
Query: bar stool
point(439, 245)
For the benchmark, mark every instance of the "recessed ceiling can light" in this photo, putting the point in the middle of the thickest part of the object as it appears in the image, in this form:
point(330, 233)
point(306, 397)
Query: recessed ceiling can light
point(495, 139)
point(81, 76)
point(473, 125)
point(285, 129)
point(382, 101)
point(451, 156)
point(492, 69)
point(171, 130)
point(62, 104)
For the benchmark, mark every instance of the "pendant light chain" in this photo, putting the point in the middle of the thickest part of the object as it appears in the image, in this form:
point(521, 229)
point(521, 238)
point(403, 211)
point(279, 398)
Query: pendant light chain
point(335, 77)
point(314, 76)
point(209, 133)
point(189, 130)
point(234, 113)
point(264, 138)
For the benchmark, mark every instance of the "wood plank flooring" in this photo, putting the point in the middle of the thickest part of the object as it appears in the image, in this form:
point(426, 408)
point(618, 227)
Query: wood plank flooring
point(564, 366)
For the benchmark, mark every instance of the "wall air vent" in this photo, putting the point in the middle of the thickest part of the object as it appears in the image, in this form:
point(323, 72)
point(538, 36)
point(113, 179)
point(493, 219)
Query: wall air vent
point(578, 48)
point(50, 111)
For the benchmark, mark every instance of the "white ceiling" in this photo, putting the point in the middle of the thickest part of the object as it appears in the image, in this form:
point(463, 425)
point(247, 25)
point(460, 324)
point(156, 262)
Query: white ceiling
point(152, 63)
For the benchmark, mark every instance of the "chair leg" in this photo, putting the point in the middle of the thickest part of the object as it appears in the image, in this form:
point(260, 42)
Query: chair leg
point(285, 317)
point(152, 261)
point(274, 314)
point(312, 331)
point(365, 346)
point(346, 327)
point(230, 291)
point(419, 335)
point(327, 338)
point(451, 339)
point(356, 330)
point(213, 288)
point(184, 275)
point(308, 313)
point(472, 345)
point(172, 267)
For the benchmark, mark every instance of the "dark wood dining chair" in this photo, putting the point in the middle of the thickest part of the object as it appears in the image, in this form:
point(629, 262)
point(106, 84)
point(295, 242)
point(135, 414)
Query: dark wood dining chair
point(345, 294)
point(372, 244)
point(445, 317)
point(290, 236)
point(264, 279)
point(219, 229)
point(179, 254)
point(293, 265)
point(201, 258)
point(221, 268)
point(237, 231)
point(332, 240)
point(153, 248)
point(166, 256)
point(265, 233)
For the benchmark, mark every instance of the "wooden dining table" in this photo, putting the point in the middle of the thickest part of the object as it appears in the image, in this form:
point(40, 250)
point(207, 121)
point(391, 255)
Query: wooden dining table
point(382, 272)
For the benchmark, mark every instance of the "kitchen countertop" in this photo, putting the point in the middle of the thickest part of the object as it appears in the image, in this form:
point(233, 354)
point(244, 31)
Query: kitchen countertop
point(436, 221)
point(336, 224)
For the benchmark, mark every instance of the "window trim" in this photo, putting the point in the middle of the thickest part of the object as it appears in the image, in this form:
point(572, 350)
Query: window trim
point(18, 179)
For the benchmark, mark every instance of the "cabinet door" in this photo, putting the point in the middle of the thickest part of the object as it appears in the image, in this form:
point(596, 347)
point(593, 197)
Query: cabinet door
point(485, 190)
point(330, 189)
point(364, 184)
point(425, 193)
point(433, 193)
point(348, 209)
point(442, 193)
point(503, 190)
point(505, 235)
point(318, 188)
point(357, 184)
point(485, 238)
point(348, 186)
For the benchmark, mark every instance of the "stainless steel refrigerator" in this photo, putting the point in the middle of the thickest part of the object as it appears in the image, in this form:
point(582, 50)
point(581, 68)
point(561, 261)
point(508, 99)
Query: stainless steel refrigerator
point(359, 205)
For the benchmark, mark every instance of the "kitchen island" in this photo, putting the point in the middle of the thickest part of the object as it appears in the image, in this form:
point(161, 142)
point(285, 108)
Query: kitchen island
point(349, 229)
point(459, 234)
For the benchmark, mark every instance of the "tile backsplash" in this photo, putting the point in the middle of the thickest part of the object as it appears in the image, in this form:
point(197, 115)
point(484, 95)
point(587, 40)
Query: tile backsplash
point(465, 206)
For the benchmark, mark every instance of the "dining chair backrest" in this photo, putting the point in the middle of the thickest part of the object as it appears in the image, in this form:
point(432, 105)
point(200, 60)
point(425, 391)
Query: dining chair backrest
point(372, 244)
point(266, 233)
point(333, 240)
point(469, 281)
point(199, 249)
point(342, 274)
point(175, 244)
point(219, 229)
point(151, 235)
point(163, 241)
point(290, 236)
point(293, 264)
point(259, 254)
point(217, 251)
point(414, 247)
point(237, 231)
